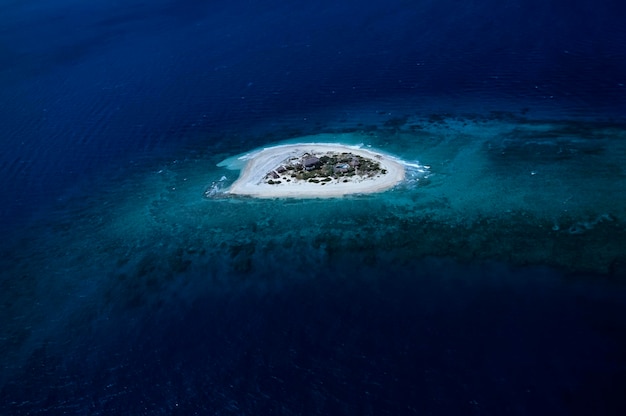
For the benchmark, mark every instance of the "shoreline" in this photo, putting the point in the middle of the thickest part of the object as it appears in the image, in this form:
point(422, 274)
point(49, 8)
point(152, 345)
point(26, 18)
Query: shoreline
point(253, 178)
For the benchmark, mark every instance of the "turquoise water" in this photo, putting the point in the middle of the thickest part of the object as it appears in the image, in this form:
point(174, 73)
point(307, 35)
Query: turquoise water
point(498, 264)
point(490, 282)
point(478, 188)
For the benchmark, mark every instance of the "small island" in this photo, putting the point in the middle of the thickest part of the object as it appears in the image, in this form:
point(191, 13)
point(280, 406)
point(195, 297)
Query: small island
point(316, 170)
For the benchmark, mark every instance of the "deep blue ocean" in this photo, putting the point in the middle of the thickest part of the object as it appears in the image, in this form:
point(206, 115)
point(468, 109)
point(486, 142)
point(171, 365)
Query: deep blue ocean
point(492, 281)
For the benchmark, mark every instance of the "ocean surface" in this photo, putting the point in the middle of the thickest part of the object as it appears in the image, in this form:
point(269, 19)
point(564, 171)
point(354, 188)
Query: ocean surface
point(492, 281)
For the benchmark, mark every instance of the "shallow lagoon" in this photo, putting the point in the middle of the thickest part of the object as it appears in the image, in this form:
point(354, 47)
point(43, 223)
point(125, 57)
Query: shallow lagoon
point(497, 268)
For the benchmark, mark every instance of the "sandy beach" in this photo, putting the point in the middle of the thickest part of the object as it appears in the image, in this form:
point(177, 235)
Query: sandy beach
point(253, 180)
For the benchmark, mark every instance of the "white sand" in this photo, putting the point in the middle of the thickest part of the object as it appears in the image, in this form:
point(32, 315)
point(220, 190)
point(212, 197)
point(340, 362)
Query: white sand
point(252, 181)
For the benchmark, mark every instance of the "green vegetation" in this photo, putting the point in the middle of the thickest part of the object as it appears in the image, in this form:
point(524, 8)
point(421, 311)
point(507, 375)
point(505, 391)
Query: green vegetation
point(338, 166)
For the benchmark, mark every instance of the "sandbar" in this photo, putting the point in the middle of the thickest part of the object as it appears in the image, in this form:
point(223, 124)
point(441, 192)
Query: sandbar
point(316, 170)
